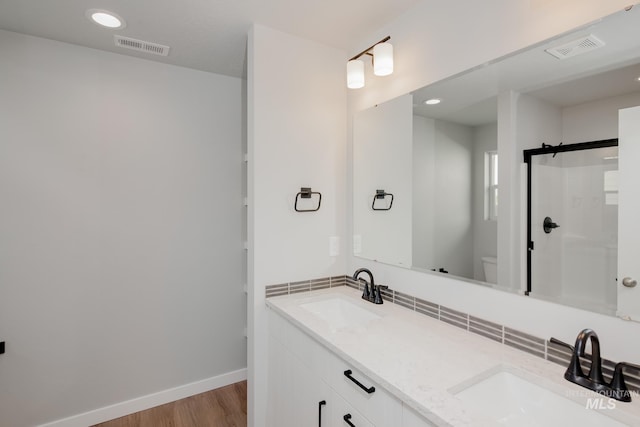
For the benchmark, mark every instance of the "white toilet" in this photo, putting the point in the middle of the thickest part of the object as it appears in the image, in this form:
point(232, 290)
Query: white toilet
point(490, 266)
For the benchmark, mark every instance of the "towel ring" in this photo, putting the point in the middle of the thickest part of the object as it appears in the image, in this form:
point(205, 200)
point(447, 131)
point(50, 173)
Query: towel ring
point(381, 194)
point(306, 193)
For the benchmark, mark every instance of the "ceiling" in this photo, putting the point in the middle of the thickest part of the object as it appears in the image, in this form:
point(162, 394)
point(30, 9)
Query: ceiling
point(208, 35)
point(616, 82)
point(611, 70)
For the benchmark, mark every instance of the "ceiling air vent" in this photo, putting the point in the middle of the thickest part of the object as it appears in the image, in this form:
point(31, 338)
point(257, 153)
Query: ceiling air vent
point(141, 45)
point(576, 47)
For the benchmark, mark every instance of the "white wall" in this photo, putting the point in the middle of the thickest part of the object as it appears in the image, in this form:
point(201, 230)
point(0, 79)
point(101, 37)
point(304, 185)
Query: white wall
point(297, 138)
point(453, 232)
point(120, 255)
point(382, 153)
point(424, 175)
point(428, 47)
point(597, 120)
point(485, 232)
point(443, 226)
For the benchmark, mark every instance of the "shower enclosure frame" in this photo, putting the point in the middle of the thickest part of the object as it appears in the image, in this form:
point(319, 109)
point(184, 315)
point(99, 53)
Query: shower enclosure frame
point(548, 149)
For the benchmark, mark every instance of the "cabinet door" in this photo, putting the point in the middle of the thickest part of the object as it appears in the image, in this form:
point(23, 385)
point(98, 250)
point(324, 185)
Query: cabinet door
point(295, 391)
point(410, 418)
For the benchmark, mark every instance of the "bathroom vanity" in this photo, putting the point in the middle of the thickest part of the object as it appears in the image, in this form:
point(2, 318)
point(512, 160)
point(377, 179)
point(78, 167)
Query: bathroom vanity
point(337, 360)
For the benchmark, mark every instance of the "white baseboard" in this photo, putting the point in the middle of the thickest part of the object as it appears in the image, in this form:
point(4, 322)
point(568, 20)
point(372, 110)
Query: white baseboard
point(149, 401)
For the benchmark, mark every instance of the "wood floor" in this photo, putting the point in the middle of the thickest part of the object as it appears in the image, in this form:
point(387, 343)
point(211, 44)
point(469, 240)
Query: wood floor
point(223, 407)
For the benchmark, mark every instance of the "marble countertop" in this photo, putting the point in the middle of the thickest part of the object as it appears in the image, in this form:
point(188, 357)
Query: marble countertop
point(421, 360)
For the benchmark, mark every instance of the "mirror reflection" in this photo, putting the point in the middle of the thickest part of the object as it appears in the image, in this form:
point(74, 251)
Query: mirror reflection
point(455, 191)
point(573, 223)
point(452, 154)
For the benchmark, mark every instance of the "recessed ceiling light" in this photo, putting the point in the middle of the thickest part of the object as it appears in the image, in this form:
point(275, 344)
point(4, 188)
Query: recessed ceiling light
point(105, 18)
point(433, 101)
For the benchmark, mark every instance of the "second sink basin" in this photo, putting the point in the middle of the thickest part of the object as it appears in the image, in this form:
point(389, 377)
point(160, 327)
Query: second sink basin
point(340, 313)
point(514, 401)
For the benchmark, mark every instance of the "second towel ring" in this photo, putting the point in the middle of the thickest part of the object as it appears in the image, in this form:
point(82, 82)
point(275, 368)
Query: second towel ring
point(381, 194)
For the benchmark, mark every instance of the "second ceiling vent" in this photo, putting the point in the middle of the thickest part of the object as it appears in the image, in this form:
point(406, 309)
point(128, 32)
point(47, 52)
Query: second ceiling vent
point(576, 47)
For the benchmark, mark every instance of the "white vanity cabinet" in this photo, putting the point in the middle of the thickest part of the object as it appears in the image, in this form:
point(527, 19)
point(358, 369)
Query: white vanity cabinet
point(303, 373)
point(342, 413)
point(410, 418)
point(295, 391)
point(379, 406)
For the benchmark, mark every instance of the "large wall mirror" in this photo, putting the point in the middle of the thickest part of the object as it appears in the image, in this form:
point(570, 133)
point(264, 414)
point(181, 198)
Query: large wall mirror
point(441, 184)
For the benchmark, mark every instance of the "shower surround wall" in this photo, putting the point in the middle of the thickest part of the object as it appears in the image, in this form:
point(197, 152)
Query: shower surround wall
point(575, 263)
point(590, 237)
point(546, 261)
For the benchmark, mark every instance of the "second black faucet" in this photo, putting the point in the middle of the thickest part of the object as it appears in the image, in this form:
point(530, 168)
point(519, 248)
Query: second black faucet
point(616, 389)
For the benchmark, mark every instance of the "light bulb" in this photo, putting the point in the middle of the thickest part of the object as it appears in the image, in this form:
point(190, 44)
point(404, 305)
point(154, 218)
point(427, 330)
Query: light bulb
point(105, 18)
point(355, 74)
point(383, 59)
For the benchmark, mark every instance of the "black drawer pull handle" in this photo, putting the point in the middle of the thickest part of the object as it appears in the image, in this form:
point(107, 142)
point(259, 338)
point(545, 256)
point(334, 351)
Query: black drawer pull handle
point(320, 405)
point(346, 419)
point(369, 390)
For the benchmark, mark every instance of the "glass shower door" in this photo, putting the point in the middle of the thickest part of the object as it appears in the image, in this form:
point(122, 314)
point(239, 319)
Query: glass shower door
point(574, 227)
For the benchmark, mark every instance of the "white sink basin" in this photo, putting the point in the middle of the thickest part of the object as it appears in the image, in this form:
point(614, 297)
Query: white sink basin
point(340, 313)
point(514, 401)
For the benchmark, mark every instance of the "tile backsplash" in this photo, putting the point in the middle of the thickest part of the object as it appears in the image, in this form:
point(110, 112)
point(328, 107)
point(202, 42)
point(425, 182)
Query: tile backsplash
point(304, 286)
point(503, 334)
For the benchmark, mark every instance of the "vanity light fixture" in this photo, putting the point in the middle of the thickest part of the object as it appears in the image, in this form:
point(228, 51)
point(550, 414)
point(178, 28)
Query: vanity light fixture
point(105, 18)
point(382, 57)
point(433, 101)
point(355, 74)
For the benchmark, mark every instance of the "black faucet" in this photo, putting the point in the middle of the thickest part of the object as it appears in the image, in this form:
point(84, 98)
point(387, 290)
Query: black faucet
point(371, 292)
point(594, 380)
point(618, 386)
